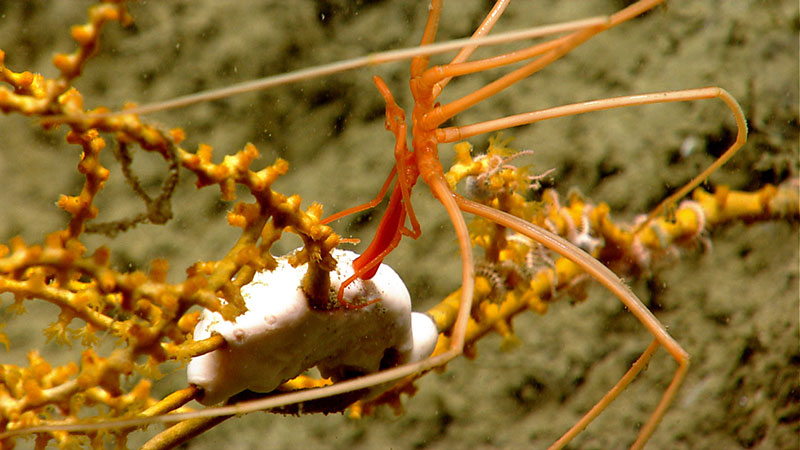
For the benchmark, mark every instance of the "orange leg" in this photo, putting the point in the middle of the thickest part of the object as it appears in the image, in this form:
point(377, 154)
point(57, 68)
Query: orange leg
point(611, 282)
point(364, 206)
point(452, 134)
point(549, 51)
point(484, 29)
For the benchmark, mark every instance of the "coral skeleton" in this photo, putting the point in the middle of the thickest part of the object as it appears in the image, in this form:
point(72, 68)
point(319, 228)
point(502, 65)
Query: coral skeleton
point(280, 335)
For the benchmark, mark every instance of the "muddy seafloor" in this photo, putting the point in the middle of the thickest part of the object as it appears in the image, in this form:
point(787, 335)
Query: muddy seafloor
point(733, 305)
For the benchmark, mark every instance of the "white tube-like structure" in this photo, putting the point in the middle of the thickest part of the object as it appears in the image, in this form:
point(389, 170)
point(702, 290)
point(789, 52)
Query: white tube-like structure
point(280, 336)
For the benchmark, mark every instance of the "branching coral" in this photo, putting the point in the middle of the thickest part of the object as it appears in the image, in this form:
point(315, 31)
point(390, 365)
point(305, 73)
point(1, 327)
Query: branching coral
point(150, 317)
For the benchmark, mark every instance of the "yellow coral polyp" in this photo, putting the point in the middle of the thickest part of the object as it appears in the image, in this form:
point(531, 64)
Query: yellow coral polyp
point(70, 204)
point(67, 64)
point(71, 101)
point(243, 214)
point(83, 34)
point(33, 392)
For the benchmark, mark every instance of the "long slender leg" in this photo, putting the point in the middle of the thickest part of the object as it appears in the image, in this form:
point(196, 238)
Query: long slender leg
point(611, 282)
point(610, 396)
point(442, 113)
point(322, 71)
point(419, 63)
point(395, 122)
point(483, 29)
point(437, 75)
point(364, 206)
point(442, 192)
point(452, 134)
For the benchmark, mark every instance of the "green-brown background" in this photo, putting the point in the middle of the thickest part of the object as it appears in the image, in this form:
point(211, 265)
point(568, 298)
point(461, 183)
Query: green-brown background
point(733, 306)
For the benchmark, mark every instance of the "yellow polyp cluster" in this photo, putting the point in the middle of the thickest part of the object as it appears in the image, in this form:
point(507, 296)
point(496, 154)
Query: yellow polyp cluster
point(243, 214)
point(725, 205)
point(88, 37)
point(25, 83)
point(464, 165)
point(492, 179)
point(28, 91)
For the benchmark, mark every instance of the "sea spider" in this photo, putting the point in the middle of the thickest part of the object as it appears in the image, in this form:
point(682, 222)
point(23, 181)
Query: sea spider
point(338, 162)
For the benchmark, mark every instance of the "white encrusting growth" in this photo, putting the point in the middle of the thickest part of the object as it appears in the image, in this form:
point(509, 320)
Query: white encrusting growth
point(280, 336)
